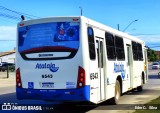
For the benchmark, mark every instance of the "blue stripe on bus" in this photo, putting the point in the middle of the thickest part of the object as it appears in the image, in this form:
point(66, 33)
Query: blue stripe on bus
point(80, 94)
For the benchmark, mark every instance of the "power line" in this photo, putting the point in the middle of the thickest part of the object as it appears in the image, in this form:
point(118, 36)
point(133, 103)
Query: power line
point(9, 16)
point(153, 44)
point(7, 40)
point(151, 34)
point(20, 13)
point(6, 20)
point(14, 15)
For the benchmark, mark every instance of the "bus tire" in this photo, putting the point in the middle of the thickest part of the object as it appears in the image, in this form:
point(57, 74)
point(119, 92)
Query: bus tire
point(159, 75)
point(117, 95)
point(140, 88)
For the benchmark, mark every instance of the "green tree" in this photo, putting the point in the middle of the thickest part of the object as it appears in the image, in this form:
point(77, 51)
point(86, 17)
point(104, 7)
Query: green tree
point(152, 55)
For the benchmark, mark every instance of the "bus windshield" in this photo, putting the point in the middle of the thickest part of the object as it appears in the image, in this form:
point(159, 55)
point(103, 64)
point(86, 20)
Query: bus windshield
point(48, 38)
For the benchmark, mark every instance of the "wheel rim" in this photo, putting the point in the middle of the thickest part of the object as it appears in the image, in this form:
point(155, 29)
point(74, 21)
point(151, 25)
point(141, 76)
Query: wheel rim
point(117, 91)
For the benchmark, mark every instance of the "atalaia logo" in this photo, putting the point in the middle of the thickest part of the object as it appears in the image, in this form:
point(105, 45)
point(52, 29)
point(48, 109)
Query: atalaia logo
point(49, 66)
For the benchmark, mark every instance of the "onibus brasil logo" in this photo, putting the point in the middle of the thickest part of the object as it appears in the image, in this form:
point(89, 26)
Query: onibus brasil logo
point(15, 106)
point(49, 66)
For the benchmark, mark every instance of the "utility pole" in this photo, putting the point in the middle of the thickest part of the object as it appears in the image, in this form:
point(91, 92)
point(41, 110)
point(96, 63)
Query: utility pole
point(118, 26)
point(130, 24)
point(81, 10)
point(127, 25)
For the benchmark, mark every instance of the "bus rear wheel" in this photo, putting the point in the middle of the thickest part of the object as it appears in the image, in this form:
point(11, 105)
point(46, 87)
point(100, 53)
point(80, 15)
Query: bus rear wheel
point(159, 75)
point(117, 95)
point(140, 88)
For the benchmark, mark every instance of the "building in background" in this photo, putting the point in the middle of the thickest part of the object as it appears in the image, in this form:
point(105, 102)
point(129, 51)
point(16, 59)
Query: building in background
point(8, 56)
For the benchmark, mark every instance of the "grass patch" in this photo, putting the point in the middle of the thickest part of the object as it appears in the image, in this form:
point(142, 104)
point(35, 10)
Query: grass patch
point(151, 107)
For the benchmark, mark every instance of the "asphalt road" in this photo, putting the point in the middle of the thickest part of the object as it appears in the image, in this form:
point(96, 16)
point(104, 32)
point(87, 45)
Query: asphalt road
point(127, 102)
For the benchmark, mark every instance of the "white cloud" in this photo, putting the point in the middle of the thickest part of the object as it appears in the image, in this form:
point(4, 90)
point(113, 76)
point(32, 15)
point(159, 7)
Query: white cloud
point(8, 32)
point(150, 38)
point(7, 38)
point(152, 41)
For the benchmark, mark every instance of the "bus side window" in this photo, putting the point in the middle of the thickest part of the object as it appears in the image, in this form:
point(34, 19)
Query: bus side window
point(119, 48)
point(139, 52)
point(134, 50)
point(110, 46)
point(101, 52)
point(91, 44)
point(97, 47)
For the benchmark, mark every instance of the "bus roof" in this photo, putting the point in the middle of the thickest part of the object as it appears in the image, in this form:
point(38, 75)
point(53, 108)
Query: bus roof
point(90, 22)
point(111, 30)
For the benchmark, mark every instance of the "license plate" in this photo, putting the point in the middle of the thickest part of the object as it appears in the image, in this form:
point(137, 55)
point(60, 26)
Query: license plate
point(47, 85)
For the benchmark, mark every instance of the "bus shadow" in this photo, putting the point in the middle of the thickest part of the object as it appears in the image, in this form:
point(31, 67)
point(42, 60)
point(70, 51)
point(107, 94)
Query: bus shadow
point(144, 92)
point(47, 106)
point(74, 108)
point(83, 107)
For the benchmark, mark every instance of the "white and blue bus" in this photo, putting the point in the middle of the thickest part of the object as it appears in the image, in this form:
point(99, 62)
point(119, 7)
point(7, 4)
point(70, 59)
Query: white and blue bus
point(77, 59)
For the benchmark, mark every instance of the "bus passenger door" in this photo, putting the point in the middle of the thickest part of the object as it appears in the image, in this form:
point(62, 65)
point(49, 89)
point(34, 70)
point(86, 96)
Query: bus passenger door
point(129, 67)
point(101, 78)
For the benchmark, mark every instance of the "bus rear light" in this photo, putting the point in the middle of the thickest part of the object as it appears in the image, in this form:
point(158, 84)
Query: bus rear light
point(18, 78)
point(75, 19)
point(22, 24)
point(81, 77)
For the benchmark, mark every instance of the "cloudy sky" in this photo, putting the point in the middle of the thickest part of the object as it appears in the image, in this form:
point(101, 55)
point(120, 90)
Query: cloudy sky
point(7, 38)
point(108, 12)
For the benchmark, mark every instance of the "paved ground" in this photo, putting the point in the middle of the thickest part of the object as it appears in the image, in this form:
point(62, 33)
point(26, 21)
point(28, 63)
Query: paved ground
point(5, 82)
